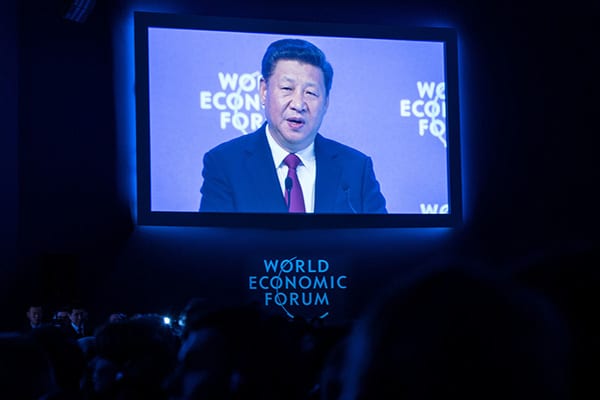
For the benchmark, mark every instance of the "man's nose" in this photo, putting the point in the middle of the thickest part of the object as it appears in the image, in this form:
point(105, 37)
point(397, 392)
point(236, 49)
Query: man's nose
point(298, 102)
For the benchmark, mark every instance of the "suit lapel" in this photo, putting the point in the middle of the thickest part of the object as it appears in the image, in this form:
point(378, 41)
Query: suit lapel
point(329, 173)
point(264, 184)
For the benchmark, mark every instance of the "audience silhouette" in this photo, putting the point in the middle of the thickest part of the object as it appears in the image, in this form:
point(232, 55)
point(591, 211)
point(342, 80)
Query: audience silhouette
point(241, 353)
point(456, 331)
point(25, 370)
point(132, 359)
point(448, 329)
point(66, 359)
point(569, 276)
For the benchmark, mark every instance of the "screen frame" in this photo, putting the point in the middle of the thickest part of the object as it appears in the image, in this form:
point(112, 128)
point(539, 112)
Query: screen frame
point(145, 216)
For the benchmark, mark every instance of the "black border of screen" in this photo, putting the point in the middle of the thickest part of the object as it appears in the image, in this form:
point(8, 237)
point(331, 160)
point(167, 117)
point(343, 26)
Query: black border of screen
point(145, 20)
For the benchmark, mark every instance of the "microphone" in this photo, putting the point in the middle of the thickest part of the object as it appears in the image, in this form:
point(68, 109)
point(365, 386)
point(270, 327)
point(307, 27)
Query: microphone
point(346, 190)
point(288, 188)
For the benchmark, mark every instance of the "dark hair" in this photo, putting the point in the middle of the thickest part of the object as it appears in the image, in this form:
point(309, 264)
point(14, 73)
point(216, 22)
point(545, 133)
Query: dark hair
point(299, 50)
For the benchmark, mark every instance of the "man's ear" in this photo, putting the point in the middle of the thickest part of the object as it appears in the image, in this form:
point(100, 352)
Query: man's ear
point(263, 90)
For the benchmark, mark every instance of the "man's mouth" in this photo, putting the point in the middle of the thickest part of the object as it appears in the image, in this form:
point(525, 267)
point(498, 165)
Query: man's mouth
point(295, 123)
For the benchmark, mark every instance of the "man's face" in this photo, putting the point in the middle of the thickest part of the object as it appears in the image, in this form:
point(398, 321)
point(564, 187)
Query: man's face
point(77, 316)
point(35, 315)
point(295, 103)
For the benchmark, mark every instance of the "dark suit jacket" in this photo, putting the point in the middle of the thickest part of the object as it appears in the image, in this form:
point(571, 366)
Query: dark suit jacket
point(239, 176)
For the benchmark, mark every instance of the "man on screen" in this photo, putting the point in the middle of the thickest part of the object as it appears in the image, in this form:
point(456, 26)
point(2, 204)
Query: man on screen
point(286, 165)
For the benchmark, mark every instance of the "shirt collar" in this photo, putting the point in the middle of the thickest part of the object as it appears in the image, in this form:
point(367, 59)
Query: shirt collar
point(306, 155)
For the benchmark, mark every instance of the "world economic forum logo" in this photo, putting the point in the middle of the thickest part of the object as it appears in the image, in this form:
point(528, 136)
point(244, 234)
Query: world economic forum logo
point(299, 287)
point(238, 101)
point(429, 108)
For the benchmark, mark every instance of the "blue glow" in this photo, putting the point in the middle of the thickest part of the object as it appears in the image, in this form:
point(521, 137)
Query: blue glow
point(464, 88)
point(124, 89)
point(397, 239)
point(124, 78)
point(125, 112)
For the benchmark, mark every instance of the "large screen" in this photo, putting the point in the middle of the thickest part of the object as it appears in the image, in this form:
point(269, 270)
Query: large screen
point(392, 108)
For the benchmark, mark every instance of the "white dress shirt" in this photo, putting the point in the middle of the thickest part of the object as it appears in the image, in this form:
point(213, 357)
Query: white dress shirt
point(306, 171)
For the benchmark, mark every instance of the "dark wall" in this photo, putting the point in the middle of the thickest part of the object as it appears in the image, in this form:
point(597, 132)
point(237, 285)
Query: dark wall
point(8, 144)
point(528, 147)
point(68, 204)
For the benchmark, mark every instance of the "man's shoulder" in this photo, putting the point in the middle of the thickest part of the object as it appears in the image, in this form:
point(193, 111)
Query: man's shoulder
point(323, 144)
point(239, 142)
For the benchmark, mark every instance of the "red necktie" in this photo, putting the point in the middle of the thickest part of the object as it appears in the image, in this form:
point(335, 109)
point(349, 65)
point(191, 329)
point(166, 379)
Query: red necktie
point(293, 191)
